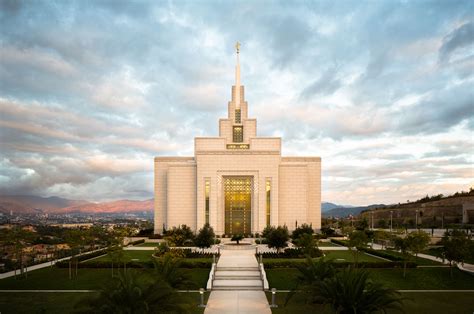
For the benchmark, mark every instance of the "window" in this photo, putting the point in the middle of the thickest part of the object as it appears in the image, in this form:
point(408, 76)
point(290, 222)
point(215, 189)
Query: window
point(207, 192)
point(238, 134)
point(268, 186)
point(238, 116)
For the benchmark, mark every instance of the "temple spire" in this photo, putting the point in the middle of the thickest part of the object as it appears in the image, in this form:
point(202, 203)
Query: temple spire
point(237, 78)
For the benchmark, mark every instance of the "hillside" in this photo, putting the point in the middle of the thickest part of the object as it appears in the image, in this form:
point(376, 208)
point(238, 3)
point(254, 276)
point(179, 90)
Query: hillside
point(340, 212)
point(26, 204)
point(31, 204)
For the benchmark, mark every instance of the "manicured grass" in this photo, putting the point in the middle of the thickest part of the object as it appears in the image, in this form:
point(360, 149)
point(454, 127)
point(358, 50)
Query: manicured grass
point(88, 279)
point(15, 303)
point(40, 302)
point(424, 278)
point(419, 302)
point(416, 278)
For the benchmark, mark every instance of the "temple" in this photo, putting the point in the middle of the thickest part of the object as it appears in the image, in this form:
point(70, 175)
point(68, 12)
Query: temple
point(237, 182)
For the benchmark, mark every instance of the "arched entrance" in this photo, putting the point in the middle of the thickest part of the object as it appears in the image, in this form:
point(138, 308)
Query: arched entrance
point(238, 205)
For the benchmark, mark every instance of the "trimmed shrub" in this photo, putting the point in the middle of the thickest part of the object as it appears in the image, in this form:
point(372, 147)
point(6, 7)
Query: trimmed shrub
point(137, 242)
point(290, 253)
point(340, 242)
point(382, 254)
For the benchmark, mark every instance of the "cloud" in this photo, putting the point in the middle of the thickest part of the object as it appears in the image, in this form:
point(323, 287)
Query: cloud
point(92, 91)
point(459, 38)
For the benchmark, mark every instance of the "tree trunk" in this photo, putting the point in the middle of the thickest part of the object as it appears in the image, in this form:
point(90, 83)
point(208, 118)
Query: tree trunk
point(404, 268)
point(70, 271)
point(451, 270)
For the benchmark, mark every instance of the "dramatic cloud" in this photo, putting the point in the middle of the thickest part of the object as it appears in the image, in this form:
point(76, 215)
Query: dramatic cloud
point(90, 92)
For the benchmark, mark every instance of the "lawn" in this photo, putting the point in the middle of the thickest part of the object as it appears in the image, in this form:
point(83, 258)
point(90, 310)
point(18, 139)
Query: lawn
point(15, 303)
point(416, 278)
point(419, 302)
point(87, 279)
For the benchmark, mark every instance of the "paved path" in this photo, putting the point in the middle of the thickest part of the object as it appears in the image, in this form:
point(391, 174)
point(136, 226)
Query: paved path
point(237, 301)
point(466, 267)
point(42, 265)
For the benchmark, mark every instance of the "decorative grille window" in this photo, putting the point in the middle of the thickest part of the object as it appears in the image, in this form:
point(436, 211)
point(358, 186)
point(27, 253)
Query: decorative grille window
point(238, 135)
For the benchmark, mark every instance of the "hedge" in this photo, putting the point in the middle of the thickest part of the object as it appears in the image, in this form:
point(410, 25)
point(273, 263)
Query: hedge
point(290, 253)
point(340, 242)
point(292, 263)
point(382, 254)
point(134, 264)
point(137, 242)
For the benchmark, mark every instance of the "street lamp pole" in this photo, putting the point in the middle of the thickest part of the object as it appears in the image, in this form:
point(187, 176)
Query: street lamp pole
point(416, 219)
point(391, 220)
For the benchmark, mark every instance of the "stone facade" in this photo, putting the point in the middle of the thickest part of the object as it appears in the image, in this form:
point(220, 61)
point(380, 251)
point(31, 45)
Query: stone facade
point(287, 190)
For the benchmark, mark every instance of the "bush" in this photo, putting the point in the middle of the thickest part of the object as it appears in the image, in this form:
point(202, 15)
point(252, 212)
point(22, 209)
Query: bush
point(137, 242)
point(156, 236)
point(278, 238)
point(340, 242)
point(293, 263)
point(180, 236)
point(382, 254)
point(290, 253)
point(261, 241)
point(237, 238)
point(303, 229)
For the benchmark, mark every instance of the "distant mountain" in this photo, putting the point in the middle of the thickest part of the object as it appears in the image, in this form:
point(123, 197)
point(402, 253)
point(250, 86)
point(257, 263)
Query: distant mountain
point(57, 205)
point(346, 211)
point(31, 204)
point(325, 206)
point(122, 206)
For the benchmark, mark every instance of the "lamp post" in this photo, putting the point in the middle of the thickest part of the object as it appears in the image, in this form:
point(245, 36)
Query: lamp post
point(372, 216)
point(391, 220)
point(273, 298)
point(201, 292)
point(416, 219)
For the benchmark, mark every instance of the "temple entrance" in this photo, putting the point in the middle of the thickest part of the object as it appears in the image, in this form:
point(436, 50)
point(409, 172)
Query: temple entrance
point(238, 205)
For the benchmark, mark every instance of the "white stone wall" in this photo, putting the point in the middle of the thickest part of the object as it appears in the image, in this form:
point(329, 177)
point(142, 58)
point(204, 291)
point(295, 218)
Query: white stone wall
point(181, 190)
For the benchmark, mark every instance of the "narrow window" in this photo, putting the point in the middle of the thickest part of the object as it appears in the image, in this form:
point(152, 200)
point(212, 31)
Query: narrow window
point(207, 191)
point(238, 117)
point(238, 134)
point(268, 185)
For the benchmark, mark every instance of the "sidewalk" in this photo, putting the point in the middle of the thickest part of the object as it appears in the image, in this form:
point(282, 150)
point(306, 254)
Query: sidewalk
point(237, 301)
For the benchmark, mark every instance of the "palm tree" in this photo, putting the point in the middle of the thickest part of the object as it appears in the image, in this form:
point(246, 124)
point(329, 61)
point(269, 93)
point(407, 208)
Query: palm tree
point(127, 295)
point(167, 269)
point(351, 291)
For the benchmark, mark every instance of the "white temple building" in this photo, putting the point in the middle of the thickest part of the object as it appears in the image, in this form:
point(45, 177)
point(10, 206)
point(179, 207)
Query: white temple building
point(237, 182)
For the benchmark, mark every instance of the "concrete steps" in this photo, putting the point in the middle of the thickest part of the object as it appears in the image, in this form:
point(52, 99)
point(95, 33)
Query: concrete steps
point(237, 278)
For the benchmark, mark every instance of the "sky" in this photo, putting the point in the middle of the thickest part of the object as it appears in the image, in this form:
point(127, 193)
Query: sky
point(91, 91)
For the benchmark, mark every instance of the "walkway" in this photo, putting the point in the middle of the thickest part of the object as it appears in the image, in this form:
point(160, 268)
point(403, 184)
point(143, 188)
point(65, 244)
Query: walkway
point(237, 287)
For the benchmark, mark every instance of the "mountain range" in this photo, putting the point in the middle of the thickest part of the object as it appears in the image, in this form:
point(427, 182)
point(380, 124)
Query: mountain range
point(56, 205)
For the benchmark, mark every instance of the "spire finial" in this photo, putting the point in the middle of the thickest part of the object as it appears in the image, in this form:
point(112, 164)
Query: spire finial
point(237, 77)
point(237, 47)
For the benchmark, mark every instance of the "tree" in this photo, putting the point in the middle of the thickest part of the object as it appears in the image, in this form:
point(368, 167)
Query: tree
point(205, 238)
point(351, 291)
point(267, 231)
point(75, 239)
point(357, 239)
point(362, 224)
point(237, 237)
point(126, 294)
point(418, 241)
point(278, 238)
point(456, 248)
point(177, 236)
point(403, 245)
point(308, 244)
point(301, 230)
point(18, 238)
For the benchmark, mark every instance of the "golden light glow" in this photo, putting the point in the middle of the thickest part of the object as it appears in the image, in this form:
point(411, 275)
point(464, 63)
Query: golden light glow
point(238, 205)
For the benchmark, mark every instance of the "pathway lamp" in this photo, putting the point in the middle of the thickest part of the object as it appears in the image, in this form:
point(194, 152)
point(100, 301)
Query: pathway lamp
point(273, 305)
point(201, 293)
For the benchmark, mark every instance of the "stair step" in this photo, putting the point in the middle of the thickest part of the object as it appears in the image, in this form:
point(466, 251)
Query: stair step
point(241, 288)
point(236, 283)
point(237, 268)
point(242, 273)
point(236, 278)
